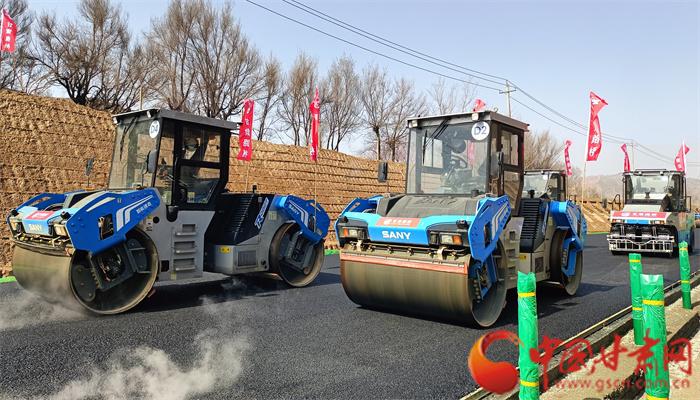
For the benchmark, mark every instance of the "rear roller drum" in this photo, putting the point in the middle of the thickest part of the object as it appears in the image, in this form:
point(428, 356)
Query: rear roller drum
point(294, 258)
point(558, 259)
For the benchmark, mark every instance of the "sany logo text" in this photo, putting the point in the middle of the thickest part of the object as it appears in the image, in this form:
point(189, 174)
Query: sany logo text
point(396, 235)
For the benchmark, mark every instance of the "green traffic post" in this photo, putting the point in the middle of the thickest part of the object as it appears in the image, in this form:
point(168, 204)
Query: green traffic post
point(527, 332)
point(635, 260)
point(656, 374)
point(685, 274)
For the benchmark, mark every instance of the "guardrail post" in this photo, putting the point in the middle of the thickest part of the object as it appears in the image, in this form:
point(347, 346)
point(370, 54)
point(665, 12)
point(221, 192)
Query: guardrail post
point(685, 274)
point(527, 332)
point(656, 374)
point(635, 261)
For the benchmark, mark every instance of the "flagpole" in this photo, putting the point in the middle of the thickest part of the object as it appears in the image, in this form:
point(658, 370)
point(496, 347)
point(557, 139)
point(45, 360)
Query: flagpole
point(247, 173)
point(585, 156)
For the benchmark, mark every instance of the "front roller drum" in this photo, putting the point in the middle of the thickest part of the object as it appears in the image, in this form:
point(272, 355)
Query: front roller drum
point(68, 280)
point(45, 275)
point(420, 288)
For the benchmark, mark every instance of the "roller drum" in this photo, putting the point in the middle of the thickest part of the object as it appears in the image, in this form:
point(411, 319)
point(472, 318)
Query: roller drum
point(68, 280)
point(419, 288)
point(46, 275)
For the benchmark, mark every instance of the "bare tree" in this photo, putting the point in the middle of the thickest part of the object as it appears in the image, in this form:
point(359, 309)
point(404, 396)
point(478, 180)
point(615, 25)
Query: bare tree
point(341, 102)
point(270, 93)
point(89, 57)
point(405, 103)
point(544, 151)
point(297, 95)
point(450, 99)
point(376, 95)
point(170, 48)
point(226, 67)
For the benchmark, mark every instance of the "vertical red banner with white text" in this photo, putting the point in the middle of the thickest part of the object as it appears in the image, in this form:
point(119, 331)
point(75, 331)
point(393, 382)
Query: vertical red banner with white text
point(595, 137)
point(567, 159)
point(245, 132)
point(627, 165)
point(315, 109)
point(679, 161)
point(9, 33)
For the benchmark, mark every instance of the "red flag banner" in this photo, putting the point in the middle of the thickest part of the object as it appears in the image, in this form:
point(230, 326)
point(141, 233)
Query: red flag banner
point(595, 137)
point(628, 168)
point(680, 158)
point(245, 136)
point(479, 105)
point(9, 33)
point(315, 109)
point(567, 159)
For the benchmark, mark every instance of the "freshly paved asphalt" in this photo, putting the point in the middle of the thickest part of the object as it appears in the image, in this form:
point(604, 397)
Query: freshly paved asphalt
point(302, 343)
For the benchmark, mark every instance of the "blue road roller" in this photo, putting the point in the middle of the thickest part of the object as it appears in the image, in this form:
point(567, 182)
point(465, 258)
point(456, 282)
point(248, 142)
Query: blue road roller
point(470, 218)
point(165, 215)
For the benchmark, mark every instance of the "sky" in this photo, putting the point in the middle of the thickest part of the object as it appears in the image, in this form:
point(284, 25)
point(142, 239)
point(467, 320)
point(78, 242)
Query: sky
point(642, 57)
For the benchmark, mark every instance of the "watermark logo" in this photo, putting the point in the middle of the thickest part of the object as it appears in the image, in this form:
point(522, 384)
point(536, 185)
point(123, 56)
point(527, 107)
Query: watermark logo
point(495, 376)
point(578, 355)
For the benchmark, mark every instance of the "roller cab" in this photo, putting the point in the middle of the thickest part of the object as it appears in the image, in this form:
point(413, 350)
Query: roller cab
point(449, 248)
point(166, 214)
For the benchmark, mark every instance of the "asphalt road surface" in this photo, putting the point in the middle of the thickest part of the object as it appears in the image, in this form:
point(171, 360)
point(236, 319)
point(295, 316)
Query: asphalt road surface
point(222, 338)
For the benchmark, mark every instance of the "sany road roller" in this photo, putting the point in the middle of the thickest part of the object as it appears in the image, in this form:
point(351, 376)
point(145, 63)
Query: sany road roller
point(657, 214)
point(450, 247)
point(165, 215)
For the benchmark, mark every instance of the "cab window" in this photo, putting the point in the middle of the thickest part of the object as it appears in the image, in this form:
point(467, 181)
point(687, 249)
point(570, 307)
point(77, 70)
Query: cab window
point(199, 154)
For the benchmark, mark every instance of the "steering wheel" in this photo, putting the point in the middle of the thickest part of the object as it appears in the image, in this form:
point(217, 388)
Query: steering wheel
point(458, 162)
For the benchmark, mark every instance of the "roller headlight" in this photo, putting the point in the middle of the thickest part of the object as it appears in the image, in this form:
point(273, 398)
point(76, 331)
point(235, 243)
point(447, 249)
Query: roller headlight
point(352, 233)
point(451, 239)
point(60, 230)
point(15, 225)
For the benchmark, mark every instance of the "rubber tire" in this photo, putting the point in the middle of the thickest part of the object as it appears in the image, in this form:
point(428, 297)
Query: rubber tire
point(286, 273)
point(556, 262)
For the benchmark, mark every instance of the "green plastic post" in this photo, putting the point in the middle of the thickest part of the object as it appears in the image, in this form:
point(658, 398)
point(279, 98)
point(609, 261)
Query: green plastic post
point(685, 274)
point(527, 332)
point(635, 260)
point(656, 374)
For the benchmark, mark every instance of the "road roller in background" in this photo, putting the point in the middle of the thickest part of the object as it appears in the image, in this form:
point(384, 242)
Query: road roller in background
point(657, 214)
point(165, 215)
point(451, 246)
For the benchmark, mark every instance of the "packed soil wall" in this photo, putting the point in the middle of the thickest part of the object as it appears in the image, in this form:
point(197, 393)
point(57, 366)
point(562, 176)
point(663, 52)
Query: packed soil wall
point(45, 143)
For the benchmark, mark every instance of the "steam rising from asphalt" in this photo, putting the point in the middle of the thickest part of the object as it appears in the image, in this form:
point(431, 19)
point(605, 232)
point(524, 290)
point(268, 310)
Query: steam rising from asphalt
point(26, 310)
point(149, 373)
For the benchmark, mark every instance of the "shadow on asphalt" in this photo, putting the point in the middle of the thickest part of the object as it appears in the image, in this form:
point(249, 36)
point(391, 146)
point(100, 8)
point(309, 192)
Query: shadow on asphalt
point(185, 295)
point(549, 302)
